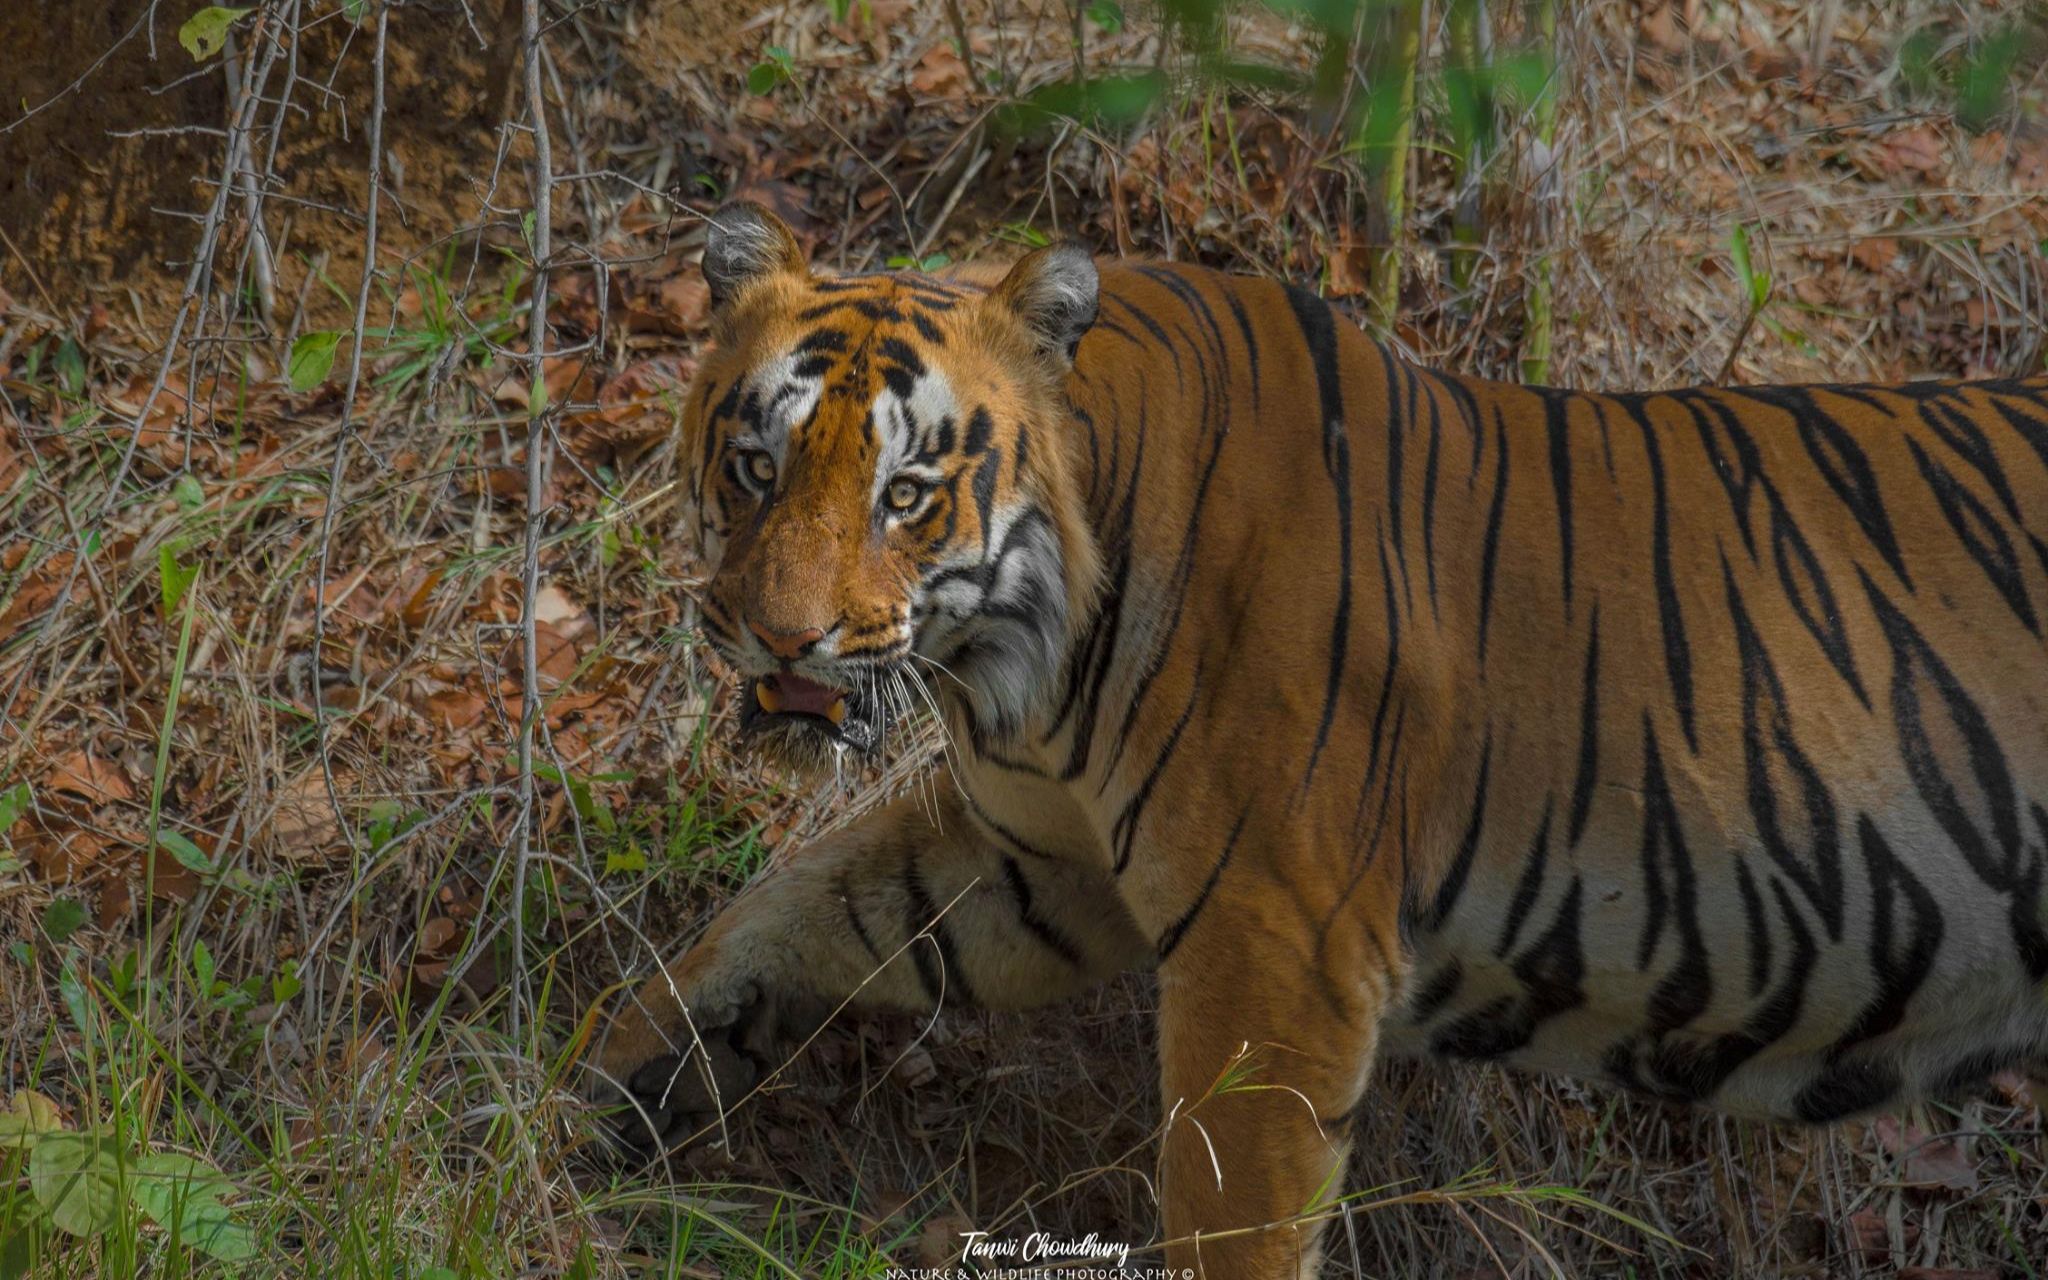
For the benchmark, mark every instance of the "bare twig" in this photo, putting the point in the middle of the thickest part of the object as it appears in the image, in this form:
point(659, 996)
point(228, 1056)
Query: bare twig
point(339, 470)
point(536, 483)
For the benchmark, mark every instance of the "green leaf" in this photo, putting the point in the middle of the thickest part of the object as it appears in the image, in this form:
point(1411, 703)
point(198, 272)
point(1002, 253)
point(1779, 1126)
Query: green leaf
point(28, 1117)
point(78, 1000)
point(312, 359)
point(1107, 15)
point(207, 30)
point(13, 803)
point(173, 577)
point(763, 77)
point(20, 1248)
point(188, 492)
point(536, 398)
point(189, 855)
point(625, 860)
point(62, 918)
point(173, 1188)
point(355, 10)
point(70, 365)
point(77, 1178)
point(202, 965)
point(1759, 283)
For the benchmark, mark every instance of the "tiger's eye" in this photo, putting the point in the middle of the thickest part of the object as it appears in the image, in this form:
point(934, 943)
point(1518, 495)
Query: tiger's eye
point(904, 493)
point(760, 467)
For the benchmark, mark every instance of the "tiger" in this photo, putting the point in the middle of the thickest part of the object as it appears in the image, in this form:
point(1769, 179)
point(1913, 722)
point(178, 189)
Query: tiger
point(1692, 741)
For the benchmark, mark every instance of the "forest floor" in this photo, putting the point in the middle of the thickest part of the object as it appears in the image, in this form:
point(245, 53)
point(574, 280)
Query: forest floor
point(262, 576)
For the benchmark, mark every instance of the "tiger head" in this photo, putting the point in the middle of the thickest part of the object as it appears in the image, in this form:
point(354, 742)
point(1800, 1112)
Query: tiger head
point(881, 484)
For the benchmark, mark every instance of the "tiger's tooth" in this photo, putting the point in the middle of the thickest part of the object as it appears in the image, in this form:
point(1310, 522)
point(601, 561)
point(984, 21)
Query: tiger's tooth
point(770, 701)
point(836, 713)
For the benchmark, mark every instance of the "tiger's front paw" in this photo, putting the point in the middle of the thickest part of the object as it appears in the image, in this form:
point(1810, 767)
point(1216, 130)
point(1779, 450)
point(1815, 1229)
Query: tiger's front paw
point(666, 1080)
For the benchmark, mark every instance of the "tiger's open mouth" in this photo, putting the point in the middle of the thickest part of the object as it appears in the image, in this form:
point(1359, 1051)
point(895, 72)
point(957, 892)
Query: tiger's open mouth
point(792, 703)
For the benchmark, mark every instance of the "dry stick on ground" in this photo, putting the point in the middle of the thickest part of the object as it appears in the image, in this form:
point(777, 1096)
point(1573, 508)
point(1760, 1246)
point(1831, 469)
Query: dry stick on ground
point(1536, 335)
point(536, 475)
point(344, 432)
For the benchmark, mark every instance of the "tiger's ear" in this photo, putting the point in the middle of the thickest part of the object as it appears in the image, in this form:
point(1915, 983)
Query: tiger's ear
point(744, 243)
point(1055, 292)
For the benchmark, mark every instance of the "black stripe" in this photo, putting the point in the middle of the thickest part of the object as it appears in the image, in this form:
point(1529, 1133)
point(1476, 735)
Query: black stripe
point(918, 912)
point(1589, 737)
point(1757, 928)
point(1429, 479)
point(1397, 377)
point(1124, 832)
point(1038, 926)
point(843, 886)
point(1554, 407)
point(1812, 599)
point(1997, 856)
point(1905, 934)
point(1979, 532)
point(1447, 893)
point(1229, 288)
point(1318, 332)
point(1677, 649)
point(928, 922)
point(1178, 930)
point(1689, 1070)
point(1771, 754)
point(1152, 327)
point(1841, 462)
point(1489, 555)
point(1528, 888)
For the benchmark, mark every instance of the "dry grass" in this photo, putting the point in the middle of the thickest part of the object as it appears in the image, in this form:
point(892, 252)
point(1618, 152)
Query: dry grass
point(325, 722)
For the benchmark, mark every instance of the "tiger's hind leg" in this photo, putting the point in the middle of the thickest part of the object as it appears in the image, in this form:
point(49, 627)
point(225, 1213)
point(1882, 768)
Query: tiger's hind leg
point(1267, 1031)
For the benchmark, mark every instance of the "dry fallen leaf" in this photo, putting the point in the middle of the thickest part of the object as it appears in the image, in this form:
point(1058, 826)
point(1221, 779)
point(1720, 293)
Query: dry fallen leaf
point(940, 72)
point(1918, 148)
point(305, 823)
point(1926, 1160)
point(552, 605)
point(89, 778)
point(1875, 253)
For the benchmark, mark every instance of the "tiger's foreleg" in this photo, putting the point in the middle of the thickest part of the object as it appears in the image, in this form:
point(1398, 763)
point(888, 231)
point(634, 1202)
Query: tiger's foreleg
point(1267, 1030)
point(909, 908)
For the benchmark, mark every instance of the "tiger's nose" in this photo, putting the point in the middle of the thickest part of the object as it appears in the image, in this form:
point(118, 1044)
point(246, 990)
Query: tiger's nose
point(787, 645)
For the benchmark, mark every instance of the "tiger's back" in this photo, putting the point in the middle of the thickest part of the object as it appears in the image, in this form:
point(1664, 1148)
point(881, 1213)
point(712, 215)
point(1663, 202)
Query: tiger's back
point(1708, 727)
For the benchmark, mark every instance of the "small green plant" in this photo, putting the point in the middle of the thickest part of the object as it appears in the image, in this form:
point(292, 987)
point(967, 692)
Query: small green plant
point(776, 69)
point(89, 1184)
point(442, 338)
point(1974, 74)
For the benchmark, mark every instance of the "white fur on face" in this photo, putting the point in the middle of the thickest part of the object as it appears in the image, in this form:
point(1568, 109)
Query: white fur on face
point(773, 405)
point(910, 430)
point(996, 617)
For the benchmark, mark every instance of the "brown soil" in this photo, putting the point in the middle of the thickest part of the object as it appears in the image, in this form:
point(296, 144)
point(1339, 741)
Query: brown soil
point(113, 144)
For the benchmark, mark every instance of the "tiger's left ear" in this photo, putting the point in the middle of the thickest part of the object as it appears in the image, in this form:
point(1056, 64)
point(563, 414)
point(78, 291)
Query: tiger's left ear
point(745, 242)
point(1055, 292)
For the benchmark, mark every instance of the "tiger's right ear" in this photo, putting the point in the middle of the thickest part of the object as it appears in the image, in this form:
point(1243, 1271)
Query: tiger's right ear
point(746, 243)
point(1055, 291)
